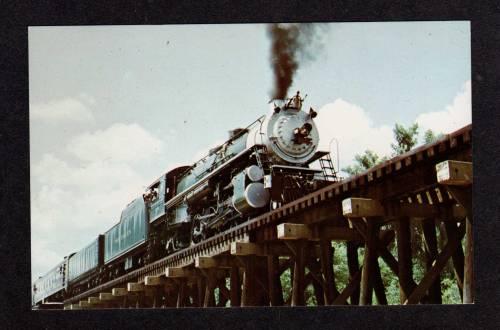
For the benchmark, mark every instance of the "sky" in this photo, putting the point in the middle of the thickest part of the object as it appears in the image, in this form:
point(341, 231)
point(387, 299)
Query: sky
point(114, 107)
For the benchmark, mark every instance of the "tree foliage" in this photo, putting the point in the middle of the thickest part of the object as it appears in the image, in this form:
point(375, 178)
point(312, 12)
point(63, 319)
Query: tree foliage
point(406, 138)
point(430, 136)
point(363, 162)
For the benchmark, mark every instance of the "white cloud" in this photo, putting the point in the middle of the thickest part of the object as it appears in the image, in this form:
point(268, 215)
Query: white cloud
point(118, 143)
point(53, 171)
point(87, 98)
point(354, 130)
point(455, 116)
point(41, 256)
point(76, 203)
point(67, 109)
point(72, 203)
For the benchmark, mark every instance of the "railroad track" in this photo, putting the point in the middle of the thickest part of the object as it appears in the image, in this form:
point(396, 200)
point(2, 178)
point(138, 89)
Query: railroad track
point(408, 179)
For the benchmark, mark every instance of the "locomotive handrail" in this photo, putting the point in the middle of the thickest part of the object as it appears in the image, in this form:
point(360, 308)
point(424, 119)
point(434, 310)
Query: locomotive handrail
point(232, 138)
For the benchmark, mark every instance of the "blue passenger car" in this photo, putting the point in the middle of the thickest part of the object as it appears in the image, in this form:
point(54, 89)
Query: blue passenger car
point(86, 260)
point(51, 286)
point(129, 233)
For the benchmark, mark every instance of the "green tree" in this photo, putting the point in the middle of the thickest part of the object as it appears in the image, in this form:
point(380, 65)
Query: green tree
point(363, 162)
point(430, 136)
point(406, 138)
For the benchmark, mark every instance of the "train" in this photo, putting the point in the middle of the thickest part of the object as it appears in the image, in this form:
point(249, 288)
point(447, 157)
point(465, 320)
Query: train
point(259, 168)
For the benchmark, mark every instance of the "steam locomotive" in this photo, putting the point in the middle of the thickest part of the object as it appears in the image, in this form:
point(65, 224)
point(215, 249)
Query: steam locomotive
point(259, 168)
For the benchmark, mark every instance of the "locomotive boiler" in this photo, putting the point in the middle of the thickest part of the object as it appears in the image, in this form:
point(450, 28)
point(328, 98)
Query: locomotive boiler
point(258, 168)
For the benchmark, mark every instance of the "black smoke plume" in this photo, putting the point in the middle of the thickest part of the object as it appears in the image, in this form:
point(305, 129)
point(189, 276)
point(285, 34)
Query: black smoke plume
point(291, 44)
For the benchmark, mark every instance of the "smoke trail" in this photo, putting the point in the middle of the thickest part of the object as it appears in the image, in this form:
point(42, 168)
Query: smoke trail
point(290, 45)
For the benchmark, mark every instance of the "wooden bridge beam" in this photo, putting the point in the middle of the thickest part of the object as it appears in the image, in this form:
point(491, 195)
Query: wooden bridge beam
point(457, 177)
point(201, 288)
point(177, 272)
point(296, 236)
point(458, 255)
point(328, 276)
point(403, 234)
point(108, 300)
point(214, 278)
point(94, 302)
point(254, 281)
point(378, 284)
point(121, 295)
point(224, 293)
point(106, 296)
point(430, 240)
point(274, 282)
point(295, 231)
point(245, 249)
point(249, 296)
point(84, 304)
point(154, 280)
point(468, 291)
point(354, 273)
point(298, 273)
point(181, 292)
point(419, 292)
point(350, 290)
point(119, 292)
point(135, 287)
point(136, 293)
point(315, 277)
point(370, 258)
point(156, 284)
point(371, 209)
point(235, 287)
point(221, 261)
point(356, 207)
point(385, 237)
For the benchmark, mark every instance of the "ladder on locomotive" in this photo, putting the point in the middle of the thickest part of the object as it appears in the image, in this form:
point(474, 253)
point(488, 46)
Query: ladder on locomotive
point(329, 172)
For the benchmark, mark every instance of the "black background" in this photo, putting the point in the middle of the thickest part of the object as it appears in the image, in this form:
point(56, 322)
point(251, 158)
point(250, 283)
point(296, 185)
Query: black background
point(15, 271)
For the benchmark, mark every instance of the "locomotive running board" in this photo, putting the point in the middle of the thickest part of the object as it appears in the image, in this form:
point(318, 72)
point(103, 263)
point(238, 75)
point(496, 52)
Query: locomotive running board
point(295, 168)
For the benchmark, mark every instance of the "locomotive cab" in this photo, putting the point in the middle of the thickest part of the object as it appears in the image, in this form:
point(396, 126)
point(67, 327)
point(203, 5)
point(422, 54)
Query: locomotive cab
point(155, 199)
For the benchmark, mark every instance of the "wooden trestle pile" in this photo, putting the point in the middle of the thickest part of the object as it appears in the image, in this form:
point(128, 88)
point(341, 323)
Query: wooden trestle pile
point(429, 187)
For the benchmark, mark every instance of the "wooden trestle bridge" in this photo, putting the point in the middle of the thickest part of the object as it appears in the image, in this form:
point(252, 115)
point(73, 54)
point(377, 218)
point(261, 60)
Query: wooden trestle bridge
point(429, 187)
